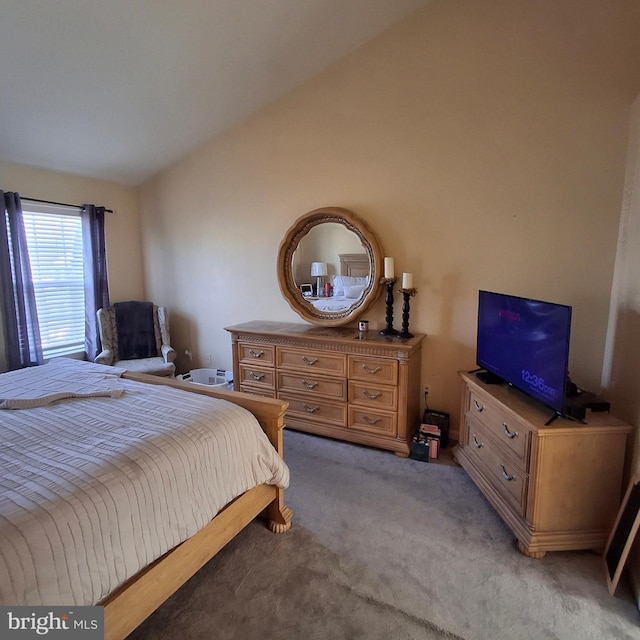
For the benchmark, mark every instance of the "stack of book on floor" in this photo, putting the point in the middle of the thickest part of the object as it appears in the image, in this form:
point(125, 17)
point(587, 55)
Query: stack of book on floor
point(432, 434)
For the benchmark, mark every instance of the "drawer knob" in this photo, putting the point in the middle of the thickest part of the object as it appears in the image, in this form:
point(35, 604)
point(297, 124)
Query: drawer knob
point(371, 421)
point(256, 354)
point(372, 396)
point(256, 376)
point(309, 385)
point(309, 362)
point(510, 434)
point(371, 371)
point(506, 476)
point(478, 444)
point(478, 406)
point(310, 408)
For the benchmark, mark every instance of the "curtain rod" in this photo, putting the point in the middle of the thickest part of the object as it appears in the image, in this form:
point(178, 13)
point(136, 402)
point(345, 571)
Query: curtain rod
point(60, 204)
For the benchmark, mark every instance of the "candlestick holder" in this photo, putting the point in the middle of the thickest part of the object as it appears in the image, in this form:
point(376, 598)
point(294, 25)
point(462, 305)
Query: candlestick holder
point(388, 299)
point(407, 294)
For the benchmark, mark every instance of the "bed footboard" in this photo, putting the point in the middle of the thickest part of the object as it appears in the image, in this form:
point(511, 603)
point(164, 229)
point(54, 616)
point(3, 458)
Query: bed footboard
point(145, 592)
point(268, 411)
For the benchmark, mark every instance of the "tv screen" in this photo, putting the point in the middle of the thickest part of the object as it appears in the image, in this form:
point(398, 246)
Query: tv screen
point(525, 343)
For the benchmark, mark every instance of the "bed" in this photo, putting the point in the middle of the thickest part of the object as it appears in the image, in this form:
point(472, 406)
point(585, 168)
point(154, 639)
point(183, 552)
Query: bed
point(115, 488)
point(348, 285)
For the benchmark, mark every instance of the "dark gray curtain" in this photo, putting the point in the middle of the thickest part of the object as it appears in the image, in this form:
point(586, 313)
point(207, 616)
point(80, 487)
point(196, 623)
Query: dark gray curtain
point(19, 314)
point(96, 287)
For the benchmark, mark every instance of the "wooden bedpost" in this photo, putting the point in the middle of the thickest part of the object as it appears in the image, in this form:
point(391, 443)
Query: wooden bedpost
point(278, 516)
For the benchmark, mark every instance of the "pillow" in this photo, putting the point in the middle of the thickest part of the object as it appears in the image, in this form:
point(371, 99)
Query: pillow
point(339, 283)
point(353, 291)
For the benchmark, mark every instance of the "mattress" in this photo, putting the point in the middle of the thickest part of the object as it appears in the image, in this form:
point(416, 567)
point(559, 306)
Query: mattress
point(100, 476)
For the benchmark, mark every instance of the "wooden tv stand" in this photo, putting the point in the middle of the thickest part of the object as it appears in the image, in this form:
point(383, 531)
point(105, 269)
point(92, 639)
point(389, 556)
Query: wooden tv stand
point(557, 486)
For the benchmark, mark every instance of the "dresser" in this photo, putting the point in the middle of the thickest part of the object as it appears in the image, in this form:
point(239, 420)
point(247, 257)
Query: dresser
point(557, 486)
point(362, 388)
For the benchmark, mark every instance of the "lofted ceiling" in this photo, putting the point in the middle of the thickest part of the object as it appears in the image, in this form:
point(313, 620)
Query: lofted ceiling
point(121, 89)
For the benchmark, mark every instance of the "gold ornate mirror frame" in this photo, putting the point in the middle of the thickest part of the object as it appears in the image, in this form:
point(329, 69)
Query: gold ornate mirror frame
point(292, 290)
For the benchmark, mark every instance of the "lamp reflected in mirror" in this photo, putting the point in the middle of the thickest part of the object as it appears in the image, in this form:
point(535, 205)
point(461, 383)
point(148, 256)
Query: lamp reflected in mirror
point(319, 270)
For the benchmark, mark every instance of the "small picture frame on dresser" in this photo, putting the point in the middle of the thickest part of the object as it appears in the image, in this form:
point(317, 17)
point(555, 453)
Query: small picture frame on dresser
point(306, 290)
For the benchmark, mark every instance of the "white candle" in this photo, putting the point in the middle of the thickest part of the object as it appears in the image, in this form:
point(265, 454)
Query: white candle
point(407, 280)
point(388, 268)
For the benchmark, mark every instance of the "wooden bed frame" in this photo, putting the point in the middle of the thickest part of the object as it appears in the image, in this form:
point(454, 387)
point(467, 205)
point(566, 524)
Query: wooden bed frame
point(354, 264)
point(125, 609)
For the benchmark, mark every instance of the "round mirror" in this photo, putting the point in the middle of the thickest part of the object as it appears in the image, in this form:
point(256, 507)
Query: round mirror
point(329, 266)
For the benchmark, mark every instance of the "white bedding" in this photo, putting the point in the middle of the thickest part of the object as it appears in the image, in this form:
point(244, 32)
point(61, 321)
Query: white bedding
point(94, 489)
point(332, 303)
point(38, 386)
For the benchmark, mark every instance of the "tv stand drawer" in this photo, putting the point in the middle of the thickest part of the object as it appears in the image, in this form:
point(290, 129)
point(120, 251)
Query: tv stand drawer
point(511, 432)
point(507, 477)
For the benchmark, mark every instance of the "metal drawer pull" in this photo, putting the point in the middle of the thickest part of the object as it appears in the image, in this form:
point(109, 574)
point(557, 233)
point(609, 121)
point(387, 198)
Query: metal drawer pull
point(256, 354)
point(309, 385)
point(256, 376)
point(372, 396)
point(309, 408)
point(478, 406)
point(506, 476)
point(371, 371)
point(309, 362)
point(510, 434)
point(369, 420)
point(478, 444)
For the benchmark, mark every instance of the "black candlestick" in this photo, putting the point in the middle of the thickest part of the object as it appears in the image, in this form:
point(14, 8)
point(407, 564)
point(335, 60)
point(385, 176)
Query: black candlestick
point(388, 299)
point(406, 294)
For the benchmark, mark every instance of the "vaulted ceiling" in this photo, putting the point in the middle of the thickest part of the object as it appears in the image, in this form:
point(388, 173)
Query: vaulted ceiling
point(121, 89)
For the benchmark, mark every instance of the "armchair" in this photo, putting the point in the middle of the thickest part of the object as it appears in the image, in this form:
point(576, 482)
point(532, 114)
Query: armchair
point(135, 336)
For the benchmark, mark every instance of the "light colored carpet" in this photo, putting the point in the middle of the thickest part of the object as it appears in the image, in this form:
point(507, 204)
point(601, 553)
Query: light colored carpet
point(388, 548)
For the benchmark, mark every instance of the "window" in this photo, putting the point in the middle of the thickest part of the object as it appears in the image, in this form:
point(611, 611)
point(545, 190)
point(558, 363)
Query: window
point(54, 239)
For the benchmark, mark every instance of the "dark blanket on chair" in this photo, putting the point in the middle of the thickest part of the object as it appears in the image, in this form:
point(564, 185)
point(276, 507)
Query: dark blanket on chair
point(136, 336)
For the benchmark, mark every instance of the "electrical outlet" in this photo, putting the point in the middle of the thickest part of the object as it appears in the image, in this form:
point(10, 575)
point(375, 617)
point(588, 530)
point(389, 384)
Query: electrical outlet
point(209, 359)
point(426, 389)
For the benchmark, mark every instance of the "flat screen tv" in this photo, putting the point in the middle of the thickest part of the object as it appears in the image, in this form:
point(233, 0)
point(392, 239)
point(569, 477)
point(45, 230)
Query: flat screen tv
point(525, 343)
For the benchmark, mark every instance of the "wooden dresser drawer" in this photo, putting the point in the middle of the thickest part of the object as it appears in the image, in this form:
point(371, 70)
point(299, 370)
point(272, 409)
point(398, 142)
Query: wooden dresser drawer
point(507, 476)
point(258, 391)
point(257, 377)
point(369, 369)
point(312, 385)
point(316, 410)
point(372, 420)
point(310, 360)
point(512, 433)
point(372, 395)
point(262, 355)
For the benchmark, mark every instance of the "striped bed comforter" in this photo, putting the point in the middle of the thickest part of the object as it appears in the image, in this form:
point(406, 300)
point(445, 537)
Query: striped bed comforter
point(98, 484)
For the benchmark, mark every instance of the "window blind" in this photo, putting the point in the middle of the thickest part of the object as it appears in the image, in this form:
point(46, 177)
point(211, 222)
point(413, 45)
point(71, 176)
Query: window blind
point(54, 239)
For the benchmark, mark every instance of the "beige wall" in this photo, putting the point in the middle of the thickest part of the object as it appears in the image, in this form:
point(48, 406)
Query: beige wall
point(621, 371)
point(484, 143)
point(122, 228)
